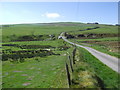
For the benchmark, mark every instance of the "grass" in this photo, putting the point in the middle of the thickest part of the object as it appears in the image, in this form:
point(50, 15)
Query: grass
point(53, 43)
point(28, 30)
point(83, 75)
point(107, 75)
point(102, 30)
point(89, 72)
point(49, 71)
point(99, 39)
point(36, 29)
point(0, 74)
point(105, 48)
point(38, 72)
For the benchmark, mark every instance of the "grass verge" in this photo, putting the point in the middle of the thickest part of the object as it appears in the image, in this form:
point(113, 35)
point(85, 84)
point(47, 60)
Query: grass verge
point(107, 75)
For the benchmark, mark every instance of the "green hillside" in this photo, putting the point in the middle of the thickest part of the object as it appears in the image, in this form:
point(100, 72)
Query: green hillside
point(34, 57)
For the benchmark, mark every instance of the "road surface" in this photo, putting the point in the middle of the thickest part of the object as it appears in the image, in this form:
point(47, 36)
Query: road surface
point(110, 61)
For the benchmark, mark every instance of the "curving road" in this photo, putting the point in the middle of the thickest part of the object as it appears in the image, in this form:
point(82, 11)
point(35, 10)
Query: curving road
point(110, 61)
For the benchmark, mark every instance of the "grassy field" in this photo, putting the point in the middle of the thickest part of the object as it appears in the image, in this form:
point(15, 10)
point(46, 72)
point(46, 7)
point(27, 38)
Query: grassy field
point(99, 39)
point(104, 39)
point(56, 29)
point(109, 45)
point(16, 31)
point(37, 72)
point(33, 72)
point(101, 30)
point(34, 57)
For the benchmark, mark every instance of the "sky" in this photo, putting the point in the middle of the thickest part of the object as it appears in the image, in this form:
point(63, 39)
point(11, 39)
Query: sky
point(45, 12)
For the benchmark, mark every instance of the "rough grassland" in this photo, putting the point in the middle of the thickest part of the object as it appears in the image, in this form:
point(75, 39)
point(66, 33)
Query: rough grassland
point(49, 71)
point(36, 73)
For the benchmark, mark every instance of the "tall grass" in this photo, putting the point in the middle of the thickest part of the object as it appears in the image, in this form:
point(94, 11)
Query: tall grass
point(109, 77)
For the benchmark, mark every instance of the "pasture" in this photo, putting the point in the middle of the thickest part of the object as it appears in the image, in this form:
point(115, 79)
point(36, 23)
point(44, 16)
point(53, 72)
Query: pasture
point(34, 57)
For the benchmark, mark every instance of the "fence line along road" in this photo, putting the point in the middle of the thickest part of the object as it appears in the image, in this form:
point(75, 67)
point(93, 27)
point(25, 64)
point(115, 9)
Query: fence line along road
point(110, 61)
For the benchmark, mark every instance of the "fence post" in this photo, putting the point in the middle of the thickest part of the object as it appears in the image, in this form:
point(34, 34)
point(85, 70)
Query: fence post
point(74, 55)
point(71, 65)
point(68, 75)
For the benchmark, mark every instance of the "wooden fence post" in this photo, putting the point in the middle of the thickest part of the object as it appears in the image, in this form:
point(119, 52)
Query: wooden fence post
point(73, 53)
point(68, 74)
point(71, 65)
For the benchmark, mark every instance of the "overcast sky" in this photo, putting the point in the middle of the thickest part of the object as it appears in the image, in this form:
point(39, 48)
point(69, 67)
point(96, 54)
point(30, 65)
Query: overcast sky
point(43, 12)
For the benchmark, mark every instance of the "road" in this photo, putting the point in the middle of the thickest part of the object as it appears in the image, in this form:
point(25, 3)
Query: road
point(110, 61)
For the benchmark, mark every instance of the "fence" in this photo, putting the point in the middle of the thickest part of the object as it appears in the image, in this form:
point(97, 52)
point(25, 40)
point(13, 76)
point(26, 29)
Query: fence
point(69, 66)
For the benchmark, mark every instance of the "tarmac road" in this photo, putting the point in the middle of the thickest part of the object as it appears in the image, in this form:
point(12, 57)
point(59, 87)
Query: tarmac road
point(110, 61)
